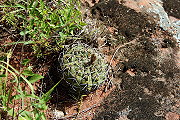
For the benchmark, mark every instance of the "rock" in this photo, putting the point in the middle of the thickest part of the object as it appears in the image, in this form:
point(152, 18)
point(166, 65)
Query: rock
point(172, 116)
point(58, 114)
point(155, 8)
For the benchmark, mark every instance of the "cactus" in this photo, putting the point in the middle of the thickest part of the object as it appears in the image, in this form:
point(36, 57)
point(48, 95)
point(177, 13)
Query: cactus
point(84, 67)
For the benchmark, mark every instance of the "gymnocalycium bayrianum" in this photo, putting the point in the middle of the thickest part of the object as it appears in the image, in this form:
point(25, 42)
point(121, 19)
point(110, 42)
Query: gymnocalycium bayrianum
point(84, 67)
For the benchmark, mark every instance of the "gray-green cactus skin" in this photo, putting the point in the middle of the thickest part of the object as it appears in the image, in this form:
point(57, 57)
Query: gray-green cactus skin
point(84, 67)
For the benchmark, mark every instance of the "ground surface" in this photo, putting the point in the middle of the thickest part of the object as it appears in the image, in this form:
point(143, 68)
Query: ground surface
point(144, 60)
point(148, 67)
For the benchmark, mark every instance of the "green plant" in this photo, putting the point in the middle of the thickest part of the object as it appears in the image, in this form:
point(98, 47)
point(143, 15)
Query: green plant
point(84, 67)
point(48, 26)
point(12, 83)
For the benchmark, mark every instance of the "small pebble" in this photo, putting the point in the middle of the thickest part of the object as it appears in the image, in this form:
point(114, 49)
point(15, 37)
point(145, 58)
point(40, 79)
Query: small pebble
point(58, 114)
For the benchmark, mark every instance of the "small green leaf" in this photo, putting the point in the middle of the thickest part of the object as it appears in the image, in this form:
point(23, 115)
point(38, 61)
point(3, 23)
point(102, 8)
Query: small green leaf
point(41, 106)
point(25, 115)
point(3, 75)
point(45, 97)
point(5, 6)
point(35, 78)
point(16, 97)
point(21, 6)
point(21, 16)
point(83, 23)
point(11, 112)
point(29, 42)
point(28, 73)
point(22, 42)
point(25, 62)
point(22, 33)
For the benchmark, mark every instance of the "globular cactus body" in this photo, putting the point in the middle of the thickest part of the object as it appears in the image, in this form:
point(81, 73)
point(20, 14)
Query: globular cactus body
point(84, 67)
